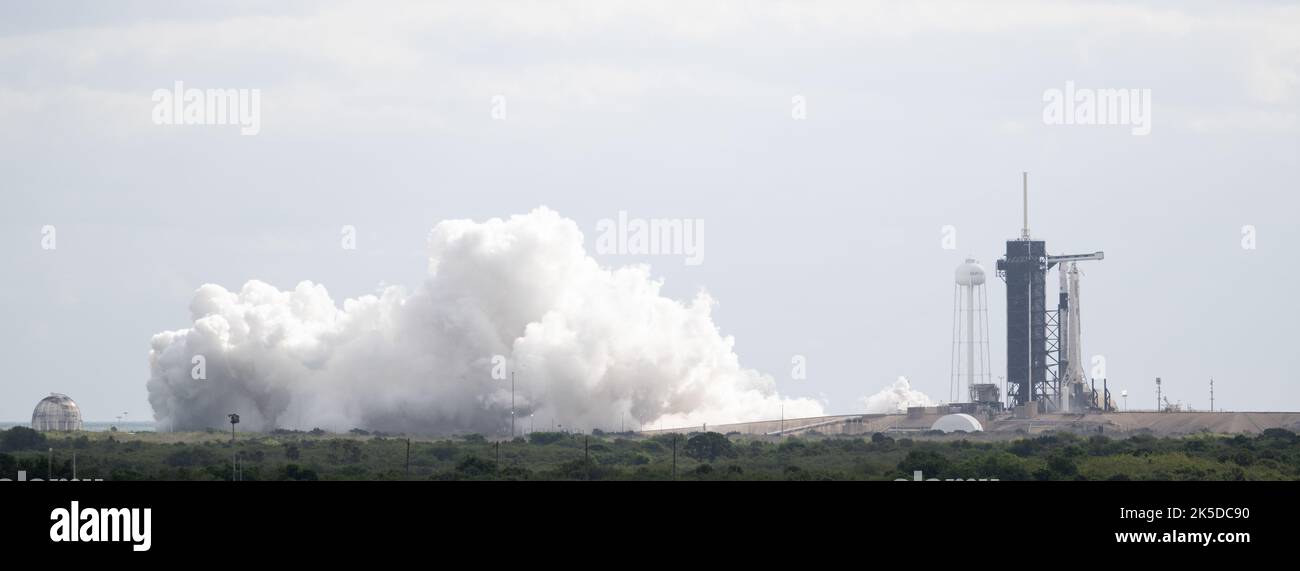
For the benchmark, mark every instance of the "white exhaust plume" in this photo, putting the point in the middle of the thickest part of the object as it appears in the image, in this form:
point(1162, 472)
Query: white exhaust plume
point(896, 398)
point(593, 347)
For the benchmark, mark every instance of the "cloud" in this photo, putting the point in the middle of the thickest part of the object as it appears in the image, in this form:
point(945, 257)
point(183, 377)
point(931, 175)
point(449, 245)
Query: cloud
point(592, 346)
point(896, 398)
point(349, 66)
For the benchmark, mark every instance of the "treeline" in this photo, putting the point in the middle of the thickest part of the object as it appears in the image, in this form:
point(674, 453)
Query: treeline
point(316, 455)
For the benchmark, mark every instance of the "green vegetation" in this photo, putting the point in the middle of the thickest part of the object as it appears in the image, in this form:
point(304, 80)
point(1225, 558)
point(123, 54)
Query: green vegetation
point(360, 455)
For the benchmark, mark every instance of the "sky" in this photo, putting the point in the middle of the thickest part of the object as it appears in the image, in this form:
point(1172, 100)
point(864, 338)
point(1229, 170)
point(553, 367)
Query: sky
point(832, 149)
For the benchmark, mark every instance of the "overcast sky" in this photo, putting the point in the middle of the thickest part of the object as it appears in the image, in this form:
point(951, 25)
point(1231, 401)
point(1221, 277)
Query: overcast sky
point(823, 234)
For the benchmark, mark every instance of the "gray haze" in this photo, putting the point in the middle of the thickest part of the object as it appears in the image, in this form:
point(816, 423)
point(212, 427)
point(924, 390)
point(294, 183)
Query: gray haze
point(823, 234)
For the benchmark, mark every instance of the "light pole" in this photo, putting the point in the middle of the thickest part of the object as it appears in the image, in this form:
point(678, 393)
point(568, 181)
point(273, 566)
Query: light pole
point(674, 456)
point(234, 419)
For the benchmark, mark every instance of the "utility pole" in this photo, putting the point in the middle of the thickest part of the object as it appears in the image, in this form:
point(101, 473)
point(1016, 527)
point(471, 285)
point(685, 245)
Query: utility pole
point(234, 419)
point(1211, 394)
point(512, 405)
point(674, 456)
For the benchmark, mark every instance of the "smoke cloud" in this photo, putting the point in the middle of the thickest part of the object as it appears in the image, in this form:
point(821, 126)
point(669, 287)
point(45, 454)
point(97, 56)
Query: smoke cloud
point(896, 398)
point(592, 347)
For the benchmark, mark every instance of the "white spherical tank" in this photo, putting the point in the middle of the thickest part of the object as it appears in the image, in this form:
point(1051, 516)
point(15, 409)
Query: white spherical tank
point(970, 273)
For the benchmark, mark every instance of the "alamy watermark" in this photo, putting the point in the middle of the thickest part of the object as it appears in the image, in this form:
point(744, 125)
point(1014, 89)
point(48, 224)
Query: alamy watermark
point(499, 110)
point(799, 368)
point(652, 237)
point(948, 237)
point(918, 477)
point(181, 106)
point(499, 365)
point(200, 370)
point(348, 237)
point(1086, 106)
point(49, 237)
point(87, 524)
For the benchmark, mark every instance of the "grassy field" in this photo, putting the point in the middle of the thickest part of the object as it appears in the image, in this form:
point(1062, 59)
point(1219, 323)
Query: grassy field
point(316, 455)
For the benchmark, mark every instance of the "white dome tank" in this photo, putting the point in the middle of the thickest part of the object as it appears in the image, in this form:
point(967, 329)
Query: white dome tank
point(955, 422)
point(970, 273)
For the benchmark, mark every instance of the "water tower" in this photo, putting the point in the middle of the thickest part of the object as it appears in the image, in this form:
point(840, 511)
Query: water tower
point(970, 339)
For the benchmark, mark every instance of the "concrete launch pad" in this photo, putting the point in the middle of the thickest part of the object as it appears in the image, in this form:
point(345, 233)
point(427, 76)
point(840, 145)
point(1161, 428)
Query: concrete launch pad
point(1006, 425)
